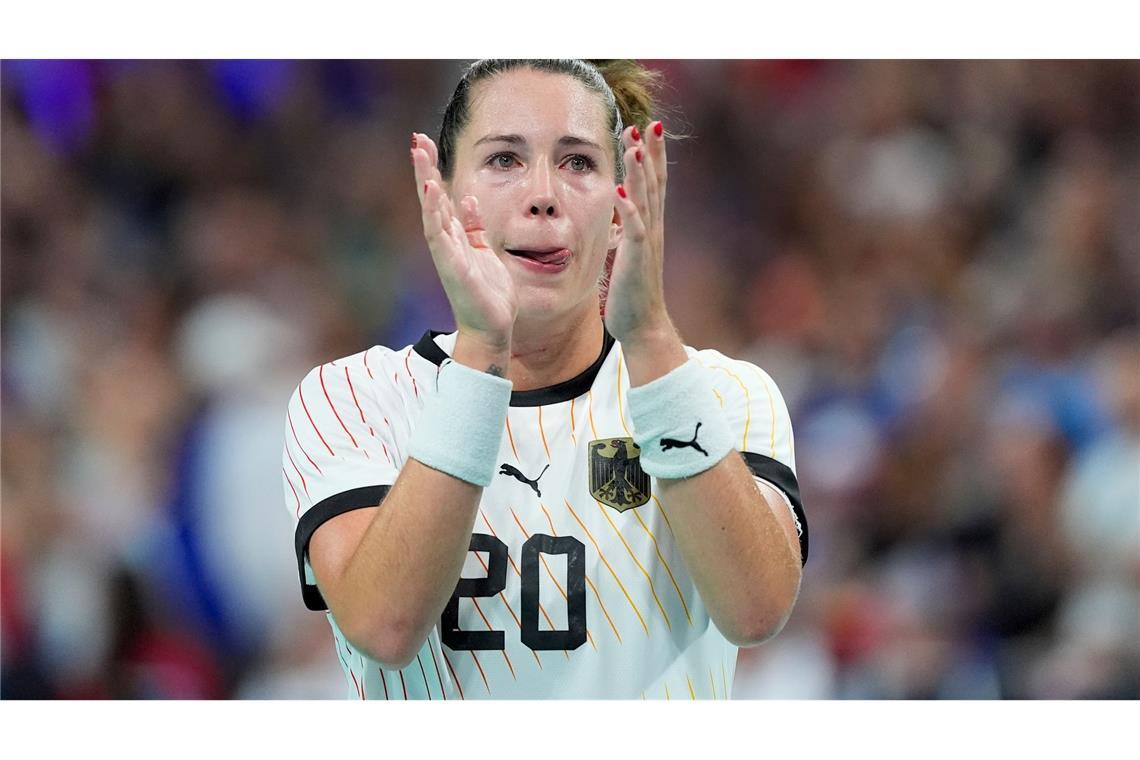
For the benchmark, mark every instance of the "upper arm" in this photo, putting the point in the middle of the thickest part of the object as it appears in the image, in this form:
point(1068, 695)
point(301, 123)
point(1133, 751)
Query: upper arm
point(762, 432)
point(339, 457)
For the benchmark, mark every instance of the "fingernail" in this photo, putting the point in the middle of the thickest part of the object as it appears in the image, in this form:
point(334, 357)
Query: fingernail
point(636, 134)
point(621, 191)
point(413, 140)
point(658, 129)
point(637, 155)
point(425, 187)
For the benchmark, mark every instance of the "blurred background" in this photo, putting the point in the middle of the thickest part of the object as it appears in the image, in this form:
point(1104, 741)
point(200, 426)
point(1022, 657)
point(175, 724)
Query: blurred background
point(938, 262)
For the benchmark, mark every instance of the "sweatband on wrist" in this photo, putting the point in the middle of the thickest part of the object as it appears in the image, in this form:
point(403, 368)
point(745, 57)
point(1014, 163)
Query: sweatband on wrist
point(678, 423)
point(461, 426)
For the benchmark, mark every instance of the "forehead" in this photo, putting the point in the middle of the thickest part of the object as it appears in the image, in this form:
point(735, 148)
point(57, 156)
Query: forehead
point(535, 103)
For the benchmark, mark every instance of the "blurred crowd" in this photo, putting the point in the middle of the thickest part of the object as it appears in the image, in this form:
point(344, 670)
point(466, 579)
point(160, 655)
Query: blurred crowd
point(938, 262)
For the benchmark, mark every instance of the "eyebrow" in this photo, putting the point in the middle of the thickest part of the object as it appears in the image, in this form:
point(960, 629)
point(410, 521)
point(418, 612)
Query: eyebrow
point(567, 140)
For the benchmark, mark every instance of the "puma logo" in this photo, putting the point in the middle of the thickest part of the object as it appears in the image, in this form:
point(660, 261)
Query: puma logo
point(672, 443)
point(514, 472)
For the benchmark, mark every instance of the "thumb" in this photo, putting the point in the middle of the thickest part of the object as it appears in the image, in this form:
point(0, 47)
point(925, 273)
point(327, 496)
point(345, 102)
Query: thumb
point(472, 222)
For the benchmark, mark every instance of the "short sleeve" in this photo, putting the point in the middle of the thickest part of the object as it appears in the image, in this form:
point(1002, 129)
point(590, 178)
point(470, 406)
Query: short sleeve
point(340, 452)
point(761, 427)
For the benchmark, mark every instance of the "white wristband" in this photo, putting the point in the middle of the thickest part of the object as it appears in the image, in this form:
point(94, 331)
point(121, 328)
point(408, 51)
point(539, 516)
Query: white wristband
point(678, 423)
point(462, 423)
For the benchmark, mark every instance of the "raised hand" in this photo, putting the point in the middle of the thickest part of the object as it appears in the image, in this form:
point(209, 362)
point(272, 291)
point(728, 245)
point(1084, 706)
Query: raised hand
point(635, 307)
point(476, 282)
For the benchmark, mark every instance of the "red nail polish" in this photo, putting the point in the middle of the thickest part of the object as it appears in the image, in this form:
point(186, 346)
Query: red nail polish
point(621, 191)
point(413, 140)
point(636, 134)
point(658, 129)
point(637, 155)
point(425, 187)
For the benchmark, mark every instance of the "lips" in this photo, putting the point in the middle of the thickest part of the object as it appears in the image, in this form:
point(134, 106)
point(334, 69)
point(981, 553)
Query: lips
point(549, 256)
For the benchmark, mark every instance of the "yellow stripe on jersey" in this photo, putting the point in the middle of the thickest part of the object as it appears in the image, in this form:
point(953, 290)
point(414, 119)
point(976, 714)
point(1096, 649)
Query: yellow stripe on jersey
point(667, 692)
point(663, 514)
point(665, 564)
point(519, 574)
point(550, 572)
point(573, 424)
point(636, 561)
point(747, 402)
point(609, 567)
point(692, 694)
point(542, 433)
point(590, 409)
point(621, 412)
point(712, 682)
point(771, 407)
point(719, 397)
point(724, 680)
point(601, 604)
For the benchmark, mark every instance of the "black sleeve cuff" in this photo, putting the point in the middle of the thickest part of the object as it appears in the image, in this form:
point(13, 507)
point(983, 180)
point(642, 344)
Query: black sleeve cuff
point(317, 516)
point(781, 476)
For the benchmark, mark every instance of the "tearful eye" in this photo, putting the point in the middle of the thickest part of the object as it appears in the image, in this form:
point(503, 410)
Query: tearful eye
point(502, 161)
point(580, 163)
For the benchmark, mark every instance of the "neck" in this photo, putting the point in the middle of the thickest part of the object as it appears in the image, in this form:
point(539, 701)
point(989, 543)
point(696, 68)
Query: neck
point(547, 352)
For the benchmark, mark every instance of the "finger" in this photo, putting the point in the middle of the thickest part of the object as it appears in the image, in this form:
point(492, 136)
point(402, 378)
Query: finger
point(472, 222)
point(633, 225)
point(432, 218)
point(419, 139)
point(424, 170)
point(635, 181)
point(655, 141)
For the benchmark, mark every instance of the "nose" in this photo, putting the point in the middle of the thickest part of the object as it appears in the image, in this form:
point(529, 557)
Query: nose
point(541, 199)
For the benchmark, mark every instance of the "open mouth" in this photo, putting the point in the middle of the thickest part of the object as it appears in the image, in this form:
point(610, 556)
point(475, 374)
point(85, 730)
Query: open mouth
point(548, 257)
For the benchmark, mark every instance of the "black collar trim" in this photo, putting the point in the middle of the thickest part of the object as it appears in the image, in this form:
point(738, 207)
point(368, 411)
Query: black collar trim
point(554, 394)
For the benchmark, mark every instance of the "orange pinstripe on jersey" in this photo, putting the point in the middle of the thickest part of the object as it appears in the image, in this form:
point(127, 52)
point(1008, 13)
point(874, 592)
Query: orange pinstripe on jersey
point(573, 424)
point(621, 412)
point(609, 567)
point(511, 438)
point(435, 664)
point(542, 433)
point(491, 628)
point(601, 604)
point(689, 681)
point(636, 561)
point(665, 564)
point(427, 686)
point(476, 659)
point(557, 585)
point(665, 515)
point(508, 605)
point(454, 678)
point(519, 574)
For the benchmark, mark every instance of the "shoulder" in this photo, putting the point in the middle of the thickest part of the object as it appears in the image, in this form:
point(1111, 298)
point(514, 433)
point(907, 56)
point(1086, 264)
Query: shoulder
point(733, 373)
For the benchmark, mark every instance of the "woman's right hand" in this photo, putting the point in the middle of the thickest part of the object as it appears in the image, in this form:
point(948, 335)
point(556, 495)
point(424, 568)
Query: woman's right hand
point(477, 283)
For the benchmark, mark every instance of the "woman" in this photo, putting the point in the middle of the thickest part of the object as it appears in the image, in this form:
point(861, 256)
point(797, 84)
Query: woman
point(585, 552)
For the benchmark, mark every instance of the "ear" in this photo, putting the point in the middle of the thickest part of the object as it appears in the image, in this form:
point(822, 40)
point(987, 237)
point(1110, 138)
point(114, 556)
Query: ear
point(616, 231)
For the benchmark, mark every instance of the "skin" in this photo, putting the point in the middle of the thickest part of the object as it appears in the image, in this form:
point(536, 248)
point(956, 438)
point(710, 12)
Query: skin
point(388, 573)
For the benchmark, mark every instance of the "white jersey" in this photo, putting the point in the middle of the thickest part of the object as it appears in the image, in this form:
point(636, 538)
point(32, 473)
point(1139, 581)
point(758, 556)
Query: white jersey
point(574, 586)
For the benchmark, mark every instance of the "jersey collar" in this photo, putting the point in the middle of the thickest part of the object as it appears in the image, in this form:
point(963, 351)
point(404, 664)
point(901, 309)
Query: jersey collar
point(553, 394)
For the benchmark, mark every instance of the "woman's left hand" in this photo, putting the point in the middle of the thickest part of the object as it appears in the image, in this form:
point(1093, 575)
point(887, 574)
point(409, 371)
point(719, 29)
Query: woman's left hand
point(635, 306)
